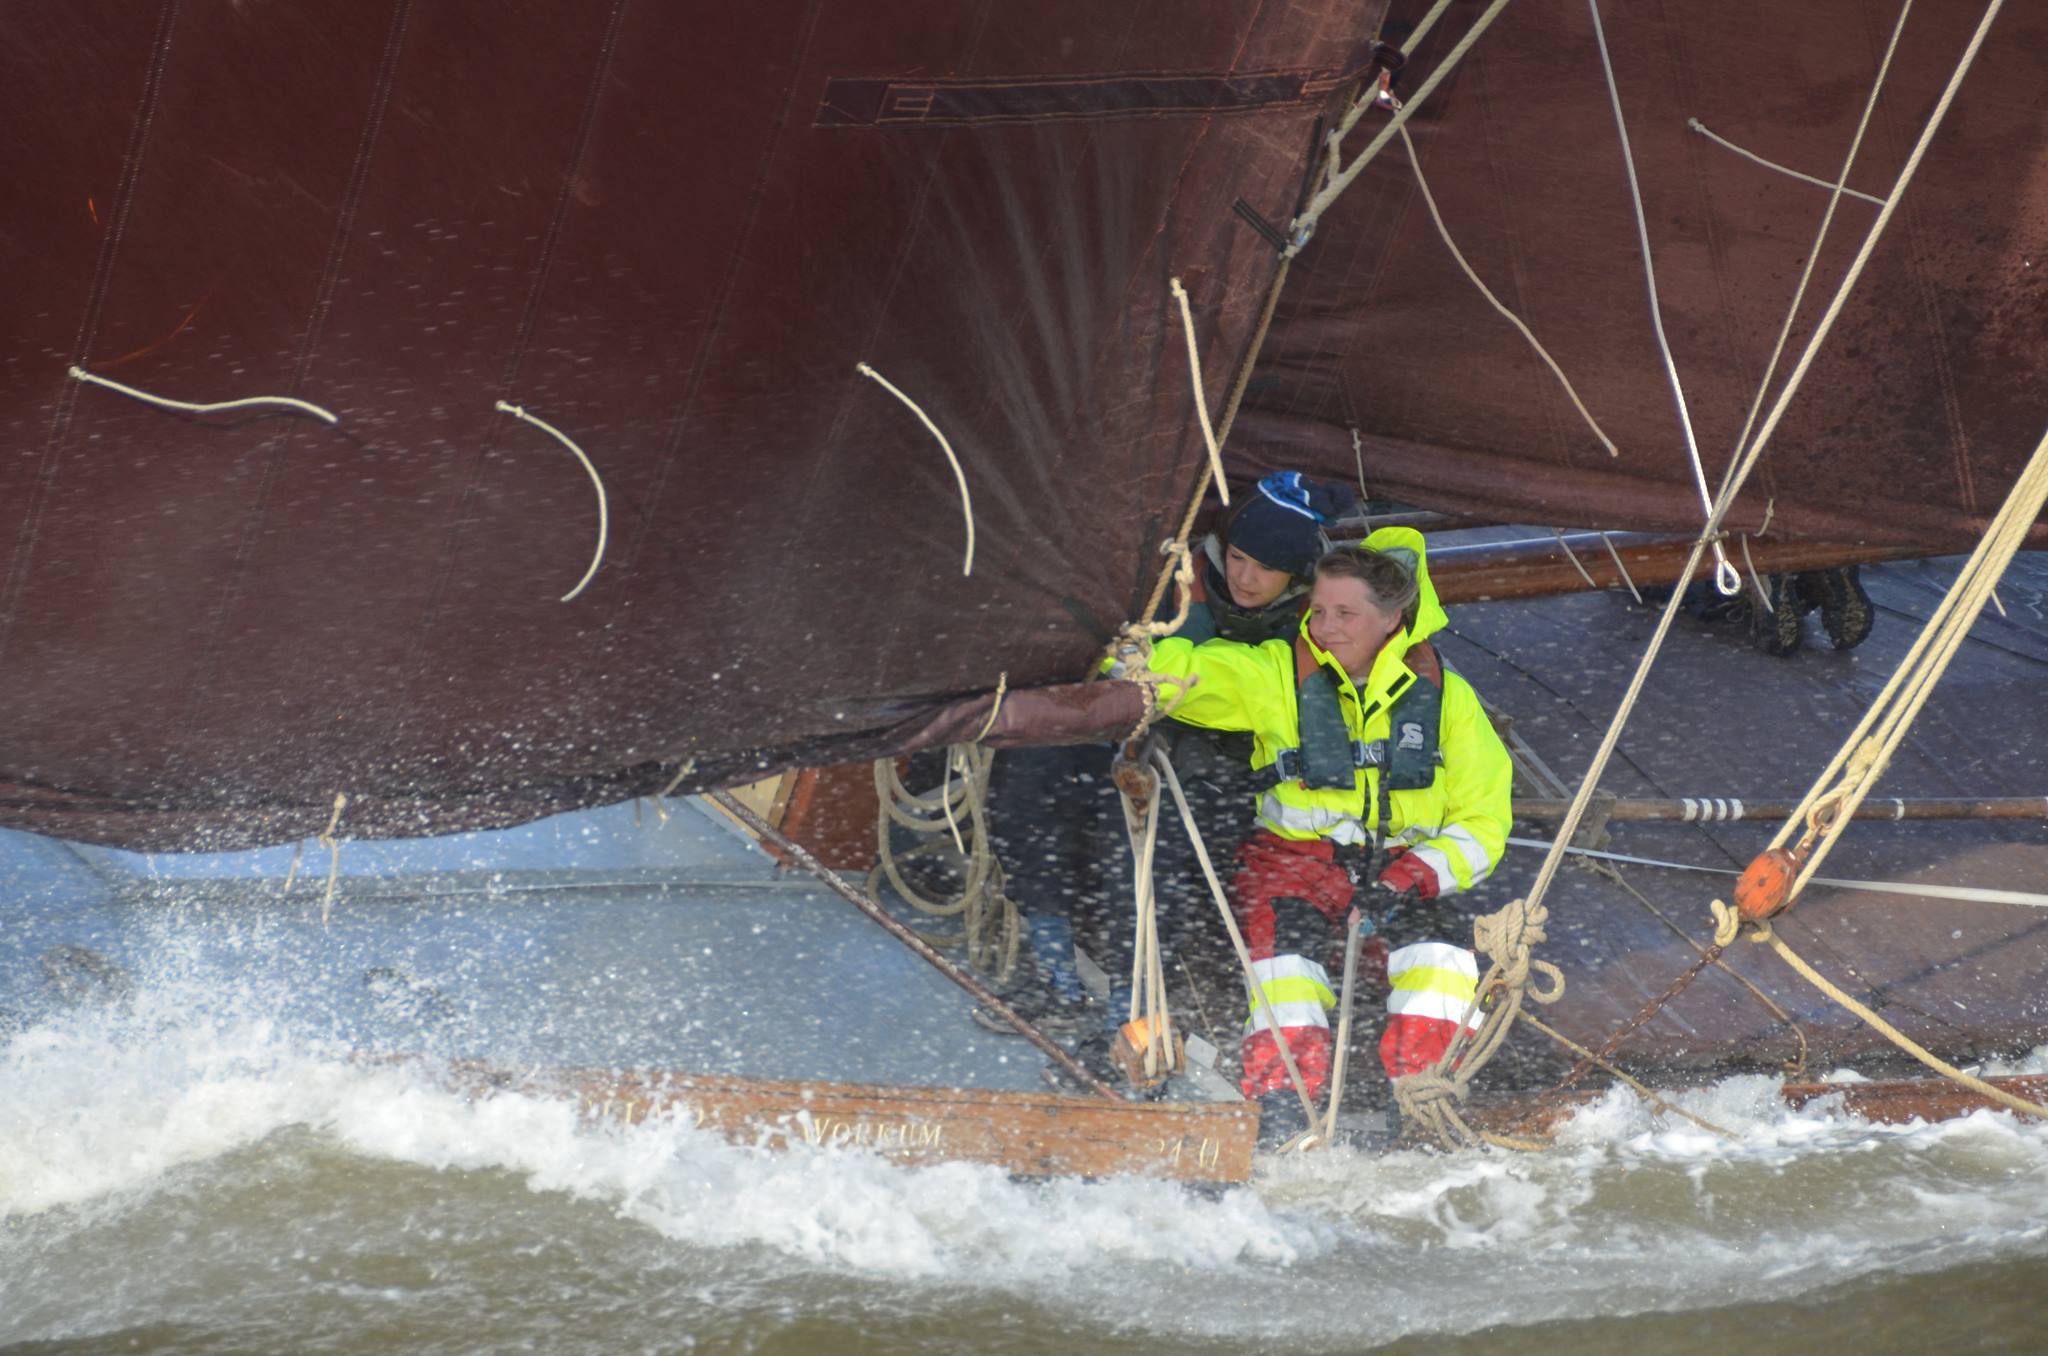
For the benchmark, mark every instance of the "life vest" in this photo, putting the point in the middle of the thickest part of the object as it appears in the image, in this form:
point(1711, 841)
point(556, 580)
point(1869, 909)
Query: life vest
point(1328, 757)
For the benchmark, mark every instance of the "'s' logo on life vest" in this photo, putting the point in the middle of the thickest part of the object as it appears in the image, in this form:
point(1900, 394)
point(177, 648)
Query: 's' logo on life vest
point(1411, 734)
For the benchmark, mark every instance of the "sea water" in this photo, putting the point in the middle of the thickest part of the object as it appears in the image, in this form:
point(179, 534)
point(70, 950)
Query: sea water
point(198, 1159)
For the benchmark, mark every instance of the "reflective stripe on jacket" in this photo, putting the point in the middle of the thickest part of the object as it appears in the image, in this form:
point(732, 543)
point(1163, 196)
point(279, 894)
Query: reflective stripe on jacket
point(1458, 824)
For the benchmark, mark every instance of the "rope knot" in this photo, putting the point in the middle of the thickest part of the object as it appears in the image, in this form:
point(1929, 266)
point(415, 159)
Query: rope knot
point(1728, 923)
point(1419, 1094)
point(1508, 937)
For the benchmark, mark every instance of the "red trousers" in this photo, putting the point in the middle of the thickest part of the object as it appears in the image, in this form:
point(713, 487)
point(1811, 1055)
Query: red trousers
point(1290, 899)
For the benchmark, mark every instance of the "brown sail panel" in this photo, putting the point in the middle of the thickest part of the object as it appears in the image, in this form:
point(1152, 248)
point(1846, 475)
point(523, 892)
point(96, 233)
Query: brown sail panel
point(672, 238)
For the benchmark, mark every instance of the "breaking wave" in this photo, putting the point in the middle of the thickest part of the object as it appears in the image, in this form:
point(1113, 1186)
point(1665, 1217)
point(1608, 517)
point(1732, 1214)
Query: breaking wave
point(186, 1091)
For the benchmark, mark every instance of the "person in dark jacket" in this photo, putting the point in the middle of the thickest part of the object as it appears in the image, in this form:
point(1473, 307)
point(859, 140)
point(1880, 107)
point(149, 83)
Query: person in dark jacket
point(1251, 585)
point(1252, 573)
point(1054, 812)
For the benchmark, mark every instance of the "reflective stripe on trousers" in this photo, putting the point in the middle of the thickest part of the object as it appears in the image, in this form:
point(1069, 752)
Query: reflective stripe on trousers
point(1298, 989)
point(1435, 980)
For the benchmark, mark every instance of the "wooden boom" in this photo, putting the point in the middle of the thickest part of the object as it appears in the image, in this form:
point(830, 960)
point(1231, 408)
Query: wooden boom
point(1720, 809)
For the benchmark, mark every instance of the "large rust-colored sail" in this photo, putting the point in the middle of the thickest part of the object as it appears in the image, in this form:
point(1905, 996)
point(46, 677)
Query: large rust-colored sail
point(671, 235)
point(675, 238)
point(1919, 409)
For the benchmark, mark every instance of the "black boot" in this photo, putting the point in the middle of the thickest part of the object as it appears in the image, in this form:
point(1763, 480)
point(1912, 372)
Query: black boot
point(1780, 629)
point(1845, 610)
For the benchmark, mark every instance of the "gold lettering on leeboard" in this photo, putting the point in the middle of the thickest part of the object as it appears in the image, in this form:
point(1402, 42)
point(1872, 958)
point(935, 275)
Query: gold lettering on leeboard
point(1208, 1152)
point(867, 1134)
point(1169, 1149)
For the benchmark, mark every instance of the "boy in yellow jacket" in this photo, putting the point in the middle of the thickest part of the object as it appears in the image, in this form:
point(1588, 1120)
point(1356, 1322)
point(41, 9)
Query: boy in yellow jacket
point(1379, 767)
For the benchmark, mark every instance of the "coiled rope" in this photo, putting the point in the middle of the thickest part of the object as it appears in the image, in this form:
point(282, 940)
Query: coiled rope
point(991, 929)
point(1432, 1098)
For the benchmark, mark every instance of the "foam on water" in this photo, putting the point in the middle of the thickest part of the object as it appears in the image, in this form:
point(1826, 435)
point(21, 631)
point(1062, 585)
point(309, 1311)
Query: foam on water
point(99, 1105)
point(102, 1108)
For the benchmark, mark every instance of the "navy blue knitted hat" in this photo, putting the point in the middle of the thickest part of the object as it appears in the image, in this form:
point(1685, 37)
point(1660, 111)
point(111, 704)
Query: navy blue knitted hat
point(1280, 524)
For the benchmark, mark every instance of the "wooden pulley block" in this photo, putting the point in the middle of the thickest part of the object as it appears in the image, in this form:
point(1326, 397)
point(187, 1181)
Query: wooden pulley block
point(1766, 884)
point(1127, 1052)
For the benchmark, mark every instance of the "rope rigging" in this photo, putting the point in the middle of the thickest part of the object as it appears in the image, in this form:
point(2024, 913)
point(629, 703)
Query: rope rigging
point(1725, 577)
point(1778, 875)
point(1432, 1099)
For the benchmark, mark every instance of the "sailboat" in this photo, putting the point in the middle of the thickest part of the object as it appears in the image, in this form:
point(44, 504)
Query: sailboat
point(503, 416)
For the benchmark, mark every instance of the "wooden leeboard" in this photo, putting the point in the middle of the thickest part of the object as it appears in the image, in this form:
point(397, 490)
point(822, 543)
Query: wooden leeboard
point(1888, 1102)
point(1897, 1101)
point(1034, 1134)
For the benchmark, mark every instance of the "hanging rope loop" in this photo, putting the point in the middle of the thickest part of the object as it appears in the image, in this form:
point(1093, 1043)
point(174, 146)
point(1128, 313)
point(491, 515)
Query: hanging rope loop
point(1431, 1098)
point(991, 928)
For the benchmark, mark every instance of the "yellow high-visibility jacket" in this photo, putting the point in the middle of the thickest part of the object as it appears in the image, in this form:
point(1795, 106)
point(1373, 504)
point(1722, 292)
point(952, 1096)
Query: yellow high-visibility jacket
point(1458, 824)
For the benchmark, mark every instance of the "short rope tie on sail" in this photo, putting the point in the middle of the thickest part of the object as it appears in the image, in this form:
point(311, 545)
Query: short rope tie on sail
point(995, 707)
point(966, 500)
point(333, 846)
point(1187, 324)
point(213, 407)
point(1429, 200)
point(1621, 569)
point(603, 509)
point(1565, 547)
point(1710, 134)
point(1178, 570)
